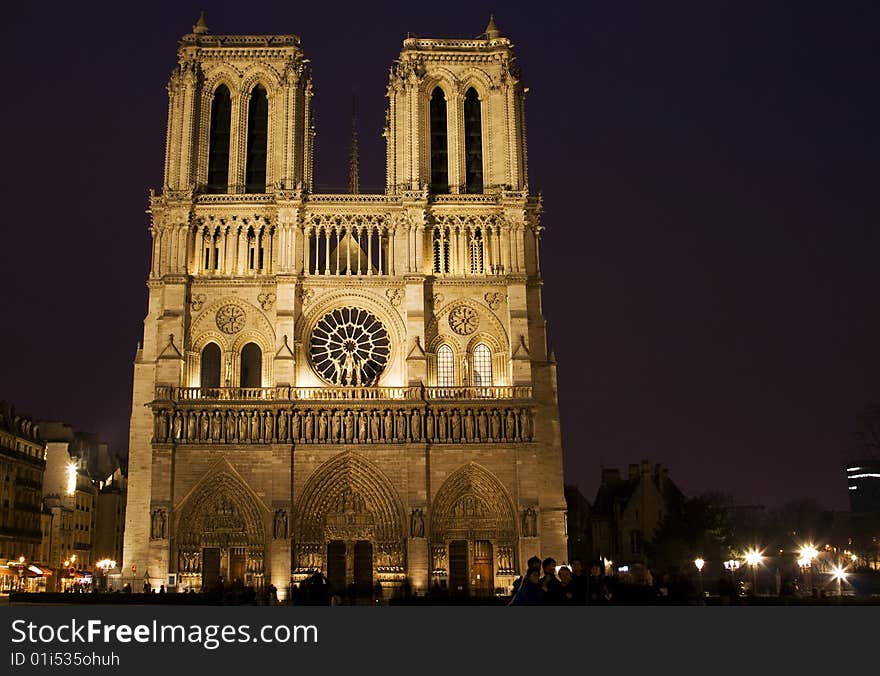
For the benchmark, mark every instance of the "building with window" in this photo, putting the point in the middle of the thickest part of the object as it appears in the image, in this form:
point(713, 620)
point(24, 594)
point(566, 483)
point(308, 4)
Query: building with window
point(357, 384)
point(628, 511)
point(22, 464)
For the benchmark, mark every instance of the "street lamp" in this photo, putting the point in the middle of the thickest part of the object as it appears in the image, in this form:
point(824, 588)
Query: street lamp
point(839, 574)
point(699, 562)
point(21, 573)
point(104, 565)
point(753, 558)
point(808, 553)
point(731, 566)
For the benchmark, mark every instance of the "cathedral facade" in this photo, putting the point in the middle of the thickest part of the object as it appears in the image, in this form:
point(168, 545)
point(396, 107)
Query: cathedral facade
point(357, 384)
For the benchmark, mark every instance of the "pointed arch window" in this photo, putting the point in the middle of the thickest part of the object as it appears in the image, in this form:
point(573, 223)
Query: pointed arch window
point(257, 140)
point(218, 148)
point(473, 142)
point(476, 251)
point(441, 251)
point(439, 147)
point(210, 371)
point(482, 366)
point(251, 366)
point(445, 367)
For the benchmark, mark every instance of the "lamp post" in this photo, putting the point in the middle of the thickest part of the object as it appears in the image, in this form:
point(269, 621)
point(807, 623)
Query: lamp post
point(839, 574)
point(21, 573)
point(105, 565)
point(808, 553)
point(731, 566)
point(699, 562)
point(753, 558)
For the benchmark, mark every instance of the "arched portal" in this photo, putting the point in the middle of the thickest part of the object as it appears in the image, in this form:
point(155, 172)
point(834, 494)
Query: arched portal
point(220, 534)
point(349, 509)
point(473, 531)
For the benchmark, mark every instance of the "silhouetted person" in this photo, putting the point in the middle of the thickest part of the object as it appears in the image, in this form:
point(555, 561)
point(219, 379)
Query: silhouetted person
point(530, 592)
point(550, 583)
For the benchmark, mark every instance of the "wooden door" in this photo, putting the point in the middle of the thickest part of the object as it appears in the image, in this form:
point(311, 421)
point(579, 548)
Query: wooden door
point(483, 572)
point(336, 566)
point(210, 568)
point(458, 567)
point(363, 566)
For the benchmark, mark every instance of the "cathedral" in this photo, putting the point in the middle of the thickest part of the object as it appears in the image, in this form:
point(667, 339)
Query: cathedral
point(356, 384)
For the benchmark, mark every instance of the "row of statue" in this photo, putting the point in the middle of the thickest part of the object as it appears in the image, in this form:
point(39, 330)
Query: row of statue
point(344, 426)
point(505, 554)
point(189, 561)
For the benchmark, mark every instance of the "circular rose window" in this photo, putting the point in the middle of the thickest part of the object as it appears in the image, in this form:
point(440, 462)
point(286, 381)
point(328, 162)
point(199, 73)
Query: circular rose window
point(350, 347)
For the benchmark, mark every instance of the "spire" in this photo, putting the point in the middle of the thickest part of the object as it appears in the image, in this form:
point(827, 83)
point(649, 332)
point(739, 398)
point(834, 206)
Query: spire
point(353, 169)
point(201, 26)
point(492, 31)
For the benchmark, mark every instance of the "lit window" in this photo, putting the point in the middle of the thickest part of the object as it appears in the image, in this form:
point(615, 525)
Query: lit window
point(445, 367)
point(482, 366)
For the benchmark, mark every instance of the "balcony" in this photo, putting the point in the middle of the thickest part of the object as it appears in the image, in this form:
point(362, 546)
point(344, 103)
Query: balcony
point(312, 394)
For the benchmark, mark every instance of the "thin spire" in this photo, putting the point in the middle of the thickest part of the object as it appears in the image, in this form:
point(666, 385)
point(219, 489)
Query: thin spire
point(492, 30)
point(353, 168)
point(201, 26)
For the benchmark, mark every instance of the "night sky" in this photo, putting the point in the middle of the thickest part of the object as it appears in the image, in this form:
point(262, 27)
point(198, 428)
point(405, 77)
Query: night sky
point(709, 171)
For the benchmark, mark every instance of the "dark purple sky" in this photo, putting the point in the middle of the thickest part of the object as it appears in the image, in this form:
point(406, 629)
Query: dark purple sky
point(709, 172)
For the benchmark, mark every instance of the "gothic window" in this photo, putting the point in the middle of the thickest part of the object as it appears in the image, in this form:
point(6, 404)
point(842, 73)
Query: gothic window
point(350, 347)
point(257, 139)
point(218, 153)
point(473, 143)
point(482, 366)
point(441, 251)
point(445, 367)
point(210, 376)
point(251, 366)
point(476, 251)
point(439, 149)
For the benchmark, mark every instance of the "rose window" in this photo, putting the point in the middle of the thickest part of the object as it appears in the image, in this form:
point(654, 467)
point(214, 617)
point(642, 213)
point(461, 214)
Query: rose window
point(463, 320)
point(230, 319)
point(350, 347)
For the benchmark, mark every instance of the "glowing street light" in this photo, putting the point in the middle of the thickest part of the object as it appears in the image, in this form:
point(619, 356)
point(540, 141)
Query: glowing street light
point(808, 553)
point(699, 562)
point(839, 574)
point(753, 558)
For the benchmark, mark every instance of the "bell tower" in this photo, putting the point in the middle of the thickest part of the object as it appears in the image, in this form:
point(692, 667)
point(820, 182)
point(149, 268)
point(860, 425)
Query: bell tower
point(456, 118)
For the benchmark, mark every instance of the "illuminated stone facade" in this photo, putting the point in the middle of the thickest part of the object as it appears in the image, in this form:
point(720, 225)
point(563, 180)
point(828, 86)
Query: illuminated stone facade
point(352, 383)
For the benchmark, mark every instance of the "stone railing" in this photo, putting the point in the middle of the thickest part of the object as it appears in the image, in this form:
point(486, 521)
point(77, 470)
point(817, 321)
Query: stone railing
point(417, 393)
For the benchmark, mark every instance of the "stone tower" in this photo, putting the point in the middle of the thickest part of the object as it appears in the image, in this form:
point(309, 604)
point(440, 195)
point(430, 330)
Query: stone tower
point(354, 383)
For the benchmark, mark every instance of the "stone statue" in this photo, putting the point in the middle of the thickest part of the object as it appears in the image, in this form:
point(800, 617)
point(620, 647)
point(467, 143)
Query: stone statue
point(268, 426)
point(429, 426)
point(417, 523)
point(335, 427)
point(415, 426)
point(469, 426)
point(282, 426)
point(205, 431)
point(401, 426)
point(296, 430)
point(230, 427)
point(308, 425)
point(455, 426)
point(482, 426)
point(217, 426)
point(530, 523)
point(496, 426)
point(242, 427)
point(362, 427)
point(374, 426)
point(280, 524)
point(191, 427)
point(348, 423)
point(510, 426)
point(177, 426)
point(322, 426)
point(441, 426)
point(163, 425)
point(157, 525)
point(525, 424)
point(388, 426)
point(255, 427)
